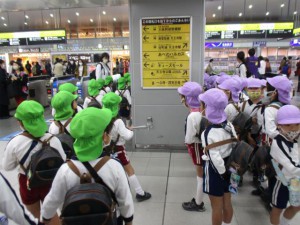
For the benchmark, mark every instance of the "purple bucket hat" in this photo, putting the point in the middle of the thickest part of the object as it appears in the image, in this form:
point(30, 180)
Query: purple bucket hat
point(288, 114)
point(283, 85)
point(190, 89)
point(254, 83)
point(234, 86)
point(216, 102)
point(221, 78)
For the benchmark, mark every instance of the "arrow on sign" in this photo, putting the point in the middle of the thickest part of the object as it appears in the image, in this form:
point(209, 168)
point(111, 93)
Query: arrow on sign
point(152, 74)
point(185, 45)
point(145, 28)
point(184, 72)
point(145, 38)
point(146, 65)
point(146, 55)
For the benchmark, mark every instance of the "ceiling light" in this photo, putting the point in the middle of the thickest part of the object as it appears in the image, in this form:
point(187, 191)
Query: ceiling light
point(25, 23)
point(104, 13)
point(295, 13)
point(267, 13)
point(2, 18)
point(69, 21)
point(91, 20)
point(250, 6)
point(26, 16)
point(77, 13)
point(51, 15)
point(115, 19)
point(282, 5)
point(219, 7)
point(214, 15)
point(240, 14)
point(5, 24)
point(46, 22)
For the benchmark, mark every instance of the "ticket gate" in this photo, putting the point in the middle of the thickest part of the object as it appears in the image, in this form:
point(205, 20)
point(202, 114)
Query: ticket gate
point(55, 82)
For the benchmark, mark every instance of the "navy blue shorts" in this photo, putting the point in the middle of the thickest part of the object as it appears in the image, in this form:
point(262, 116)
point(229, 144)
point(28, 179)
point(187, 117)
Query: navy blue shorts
point(213, 183)
point(280, 193)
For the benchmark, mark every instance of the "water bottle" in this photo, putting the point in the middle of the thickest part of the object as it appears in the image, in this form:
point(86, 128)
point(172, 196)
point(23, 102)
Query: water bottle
point(3, 220)
point(294, 190)
point(234, 181)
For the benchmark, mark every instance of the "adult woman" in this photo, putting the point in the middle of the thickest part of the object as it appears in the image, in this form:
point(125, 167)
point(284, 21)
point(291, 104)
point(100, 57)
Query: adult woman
point(4, 99)
point(81, 69)
point(21, 80)
point(241, 68)
point(103, 69)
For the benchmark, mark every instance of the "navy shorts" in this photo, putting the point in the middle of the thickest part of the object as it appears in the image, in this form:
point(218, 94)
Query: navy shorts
point(213, 182)
point(280, 193)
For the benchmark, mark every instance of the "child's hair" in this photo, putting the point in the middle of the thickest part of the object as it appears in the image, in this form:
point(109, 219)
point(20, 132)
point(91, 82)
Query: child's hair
point(271, 88)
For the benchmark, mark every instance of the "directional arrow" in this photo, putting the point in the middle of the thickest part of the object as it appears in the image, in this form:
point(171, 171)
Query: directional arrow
point(146, 65)
point(185, 45)
point(145, 28)
point(184, 72)
point(152, 74)
point(146, 55)
point(145, 38)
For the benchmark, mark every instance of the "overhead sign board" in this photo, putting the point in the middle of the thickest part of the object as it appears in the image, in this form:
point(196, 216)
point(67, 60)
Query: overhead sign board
point(165, 55)
point(218, 44)
point(296, 32)
point(33, 37)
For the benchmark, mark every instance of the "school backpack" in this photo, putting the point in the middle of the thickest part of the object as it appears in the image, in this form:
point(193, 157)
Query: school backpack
point(89, 203)
point(65, 138)
point(242, 122)
point(240, 155)
point(43, 165)
point(124, 105)
point(285, 69)
point(94, 103)
point(203, 125)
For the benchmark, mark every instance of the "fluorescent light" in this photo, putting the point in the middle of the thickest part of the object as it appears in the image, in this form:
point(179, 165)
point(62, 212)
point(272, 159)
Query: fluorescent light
point(46, 22)
point(100, 46)
point(26, 16)
point(51, 15)
point(214, 15)
point(25, 23)
point(240, 14)
point(5, 24)
point(267, 13)
point(2, 18)
point(295, 13)
point(91, 20)
point(104, 13)
point(219, 7)
point(115, 19)
point(250, 6)
point(77, 13)
point(69, 21)
point(282, 5)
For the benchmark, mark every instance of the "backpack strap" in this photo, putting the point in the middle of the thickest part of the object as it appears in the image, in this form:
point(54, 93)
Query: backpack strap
point(25, 157)
point(236, 107)
point(220, 143)
point(73, 168)
point(274, 106)
point(244, 106)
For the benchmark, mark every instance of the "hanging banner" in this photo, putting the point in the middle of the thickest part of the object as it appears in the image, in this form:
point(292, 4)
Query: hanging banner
point(165, 55)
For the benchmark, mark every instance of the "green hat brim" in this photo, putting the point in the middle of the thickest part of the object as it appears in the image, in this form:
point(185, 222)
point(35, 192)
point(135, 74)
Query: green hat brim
point(66, 113)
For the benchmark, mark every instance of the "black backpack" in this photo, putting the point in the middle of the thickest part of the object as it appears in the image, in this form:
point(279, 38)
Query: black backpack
point(242, 122)
point(65, 138)
point(203, 125)
point(124, 105)
point(43, 165)
point(94, 103)
point(89, 203)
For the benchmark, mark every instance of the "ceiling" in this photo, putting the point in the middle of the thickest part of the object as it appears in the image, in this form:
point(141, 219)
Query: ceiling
point(116, 17)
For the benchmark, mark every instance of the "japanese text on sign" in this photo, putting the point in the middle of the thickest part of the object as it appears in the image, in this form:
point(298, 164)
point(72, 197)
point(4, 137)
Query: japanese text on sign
point(165, 52)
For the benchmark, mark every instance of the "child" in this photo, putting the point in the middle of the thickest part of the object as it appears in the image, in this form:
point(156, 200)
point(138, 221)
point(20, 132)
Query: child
point(189, 94)
point(284, 150)
point(93, 90)
point(65, 105)
point(120, 134)
point(30, 115)
point(108, 84)
point(216, 175)
point(89, 129)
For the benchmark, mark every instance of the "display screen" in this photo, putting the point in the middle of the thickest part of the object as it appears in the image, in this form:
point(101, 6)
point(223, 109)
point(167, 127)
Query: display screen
point(252, 34)
point(279, 33)
point(296, 32)
point(33, 37)
point(213, 35)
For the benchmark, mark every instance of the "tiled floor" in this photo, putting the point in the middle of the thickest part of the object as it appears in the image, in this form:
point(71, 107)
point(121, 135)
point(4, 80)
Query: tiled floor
point(171, 179)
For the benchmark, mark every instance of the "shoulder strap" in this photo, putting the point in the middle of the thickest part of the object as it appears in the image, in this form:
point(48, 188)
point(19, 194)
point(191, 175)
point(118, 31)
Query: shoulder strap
point(274, 106)
point(25, 157)
point(236, 107)
point(244, 105)
point(220, 143)
point(60, 126)
point(73, 168)
point(101, 163)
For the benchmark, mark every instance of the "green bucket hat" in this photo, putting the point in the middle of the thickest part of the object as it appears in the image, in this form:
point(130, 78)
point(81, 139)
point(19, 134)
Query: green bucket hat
point(87, 127)
point(31, 114)
point(100, 83)
point(111, 101)
point(68, 87)
point(128, 78)
point(62, 103)
point(121, 83)
point(93, 88)
point(108, 80)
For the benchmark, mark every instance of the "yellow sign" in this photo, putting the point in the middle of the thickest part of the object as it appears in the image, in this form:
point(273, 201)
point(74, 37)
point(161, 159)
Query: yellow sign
point(33, 34)
point(165, 52)
point(297, 31)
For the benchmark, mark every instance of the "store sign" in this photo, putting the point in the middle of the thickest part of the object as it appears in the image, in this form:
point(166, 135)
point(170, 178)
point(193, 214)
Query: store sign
point(165, 52)
point(33, 37)
point(28, 50)
point(259, 43)
point(218, 44)
point(295, 43)
point(296, 32)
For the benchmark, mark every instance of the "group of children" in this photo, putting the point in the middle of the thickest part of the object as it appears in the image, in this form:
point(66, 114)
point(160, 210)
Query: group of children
point(213, 125)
